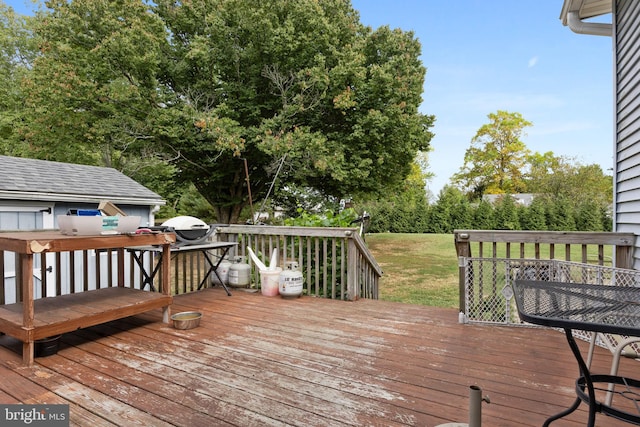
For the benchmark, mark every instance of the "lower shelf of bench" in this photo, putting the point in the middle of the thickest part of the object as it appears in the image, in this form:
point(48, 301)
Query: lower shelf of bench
point(66, 313)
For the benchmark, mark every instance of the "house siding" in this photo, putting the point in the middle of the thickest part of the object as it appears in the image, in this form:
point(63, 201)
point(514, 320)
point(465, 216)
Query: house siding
point(627, 121)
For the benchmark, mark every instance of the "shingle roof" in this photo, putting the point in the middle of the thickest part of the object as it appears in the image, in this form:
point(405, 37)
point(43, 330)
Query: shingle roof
point(23, 176)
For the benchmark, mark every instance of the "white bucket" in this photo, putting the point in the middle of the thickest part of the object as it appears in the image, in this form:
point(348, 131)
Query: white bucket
point(269, 281)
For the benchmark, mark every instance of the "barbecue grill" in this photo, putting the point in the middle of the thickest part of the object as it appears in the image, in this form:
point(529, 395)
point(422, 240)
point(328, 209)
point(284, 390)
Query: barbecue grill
point(189, 230)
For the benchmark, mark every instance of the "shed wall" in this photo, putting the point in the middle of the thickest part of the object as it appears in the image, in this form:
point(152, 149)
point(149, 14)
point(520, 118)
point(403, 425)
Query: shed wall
point(22, 215)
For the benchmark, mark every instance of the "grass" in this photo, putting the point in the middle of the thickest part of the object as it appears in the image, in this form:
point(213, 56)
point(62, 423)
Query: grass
point(418, 268)
point(423, 268)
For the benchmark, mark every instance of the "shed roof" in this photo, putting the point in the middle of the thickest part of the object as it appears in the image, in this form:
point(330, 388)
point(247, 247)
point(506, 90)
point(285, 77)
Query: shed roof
point(31, 179)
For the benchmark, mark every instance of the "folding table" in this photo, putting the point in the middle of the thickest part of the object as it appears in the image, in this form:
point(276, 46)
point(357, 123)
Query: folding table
point(148, 277)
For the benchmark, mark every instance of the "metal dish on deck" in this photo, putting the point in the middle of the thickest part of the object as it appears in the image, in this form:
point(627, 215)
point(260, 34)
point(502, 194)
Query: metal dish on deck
point(186, 319)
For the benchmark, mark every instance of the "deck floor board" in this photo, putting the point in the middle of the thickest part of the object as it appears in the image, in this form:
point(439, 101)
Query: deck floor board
point(261, 361)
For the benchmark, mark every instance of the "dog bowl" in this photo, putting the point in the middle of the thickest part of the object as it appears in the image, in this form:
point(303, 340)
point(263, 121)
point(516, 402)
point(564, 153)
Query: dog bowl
point(186, 319)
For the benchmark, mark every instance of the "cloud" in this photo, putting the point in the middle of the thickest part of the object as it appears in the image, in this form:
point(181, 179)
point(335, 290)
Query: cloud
point(533, 61)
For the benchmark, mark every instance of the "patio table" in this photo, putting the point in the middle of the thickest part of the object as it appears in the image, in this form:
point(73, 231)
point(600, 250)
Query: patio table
point(594, 308)
point(205, 248)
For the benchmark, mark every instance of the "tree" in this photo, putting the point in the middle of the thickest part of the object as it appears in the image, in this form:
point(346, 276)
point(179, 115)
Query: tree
point(224, 89)
point(495, 162)
point(588, 216)
point(560, 215)
point(483, 216)
point(92, 89)
point(17, 51)
point(533, 217)
point(404, 209)
point(451, 211)
point(506, 214)
point(562, 176)
point(302, 82)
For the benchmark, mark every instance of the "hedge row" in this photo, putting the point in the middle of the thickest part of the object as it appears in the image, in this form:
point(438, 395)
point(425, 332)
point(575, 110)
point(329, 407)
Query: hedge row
point(447, 215)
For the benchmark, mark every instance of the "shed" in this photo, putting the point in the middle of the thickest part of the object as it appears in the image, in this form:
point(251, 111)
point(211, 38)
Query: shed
point(623, 28)
point(33, 192)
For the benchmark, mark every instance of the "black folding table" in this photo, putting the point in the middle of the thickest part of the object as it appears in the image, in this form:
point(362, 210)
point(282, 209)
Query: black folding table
point(595, 308)
point(148, 277)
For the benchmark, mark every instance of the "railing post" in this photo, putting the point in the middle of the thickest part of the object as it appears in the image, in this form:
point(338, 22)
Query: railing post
point(624, 256)
point(353, 288)
point(463, 250)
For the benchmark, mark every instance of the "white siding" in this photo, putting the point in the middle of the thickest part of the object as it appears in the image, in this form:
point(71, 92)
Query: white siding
point(23, 216)
point(627, 98)
point(37, 216)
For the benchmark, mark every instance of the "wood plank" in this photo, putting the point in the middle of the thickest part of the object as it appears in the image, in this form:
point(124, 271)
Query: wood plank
point(290, 399)
point(303, 356)
point(14, 388)
point(54, 241)
point(66, 313)
point(103, 406)
point(308, 362)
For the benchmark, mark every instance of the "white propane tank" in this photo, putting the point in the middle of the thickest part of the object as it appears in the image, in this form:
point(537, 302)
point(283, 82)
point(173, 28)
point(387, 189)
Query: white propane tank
point(223, 272)
point(291, 280)
point(239, 274)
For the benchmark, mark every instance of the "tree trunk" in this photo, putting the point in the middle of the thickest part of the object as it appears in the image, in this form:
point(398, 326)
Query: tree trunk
point(228, 214)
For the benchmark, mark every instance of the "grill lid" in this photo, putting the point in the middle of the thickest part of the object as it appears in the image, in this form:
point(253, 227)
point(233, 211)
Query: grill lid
point(185, 222)
point(189, 230)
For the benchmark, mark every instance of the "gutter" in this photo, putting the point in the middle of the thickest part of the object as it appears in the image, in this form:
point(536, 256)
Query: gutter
point(79, 198)
point(578, 26)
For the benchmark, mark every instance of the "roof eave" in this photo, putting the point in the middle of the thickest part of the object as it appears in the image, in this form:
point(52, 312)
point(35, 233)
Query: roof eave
point(575, 12)
point(77, 198)
point(586, 9)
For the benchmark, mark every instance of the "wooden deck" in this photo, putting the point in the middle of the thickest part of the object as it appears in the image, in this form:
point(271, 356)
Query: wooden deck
point(260, 361)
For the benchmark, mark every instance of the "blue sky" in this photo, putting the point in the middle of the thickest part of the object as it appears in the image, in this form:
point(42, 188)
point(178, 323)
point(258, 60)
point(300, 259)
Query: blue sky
point(484, 56)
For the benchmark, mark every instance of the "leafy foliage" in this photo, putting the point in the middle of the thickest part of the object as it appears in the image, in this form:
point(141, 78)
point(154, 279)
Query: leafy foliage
point(17, 51)
point(328, 219)
point(217, 94)
point(453, 211)
point(495, 162)
point(301, 82)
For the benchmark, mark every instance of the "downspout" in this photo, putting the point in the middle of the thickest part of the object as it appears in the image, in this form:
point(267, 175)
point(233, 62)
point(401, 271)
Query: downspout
point(578, 26)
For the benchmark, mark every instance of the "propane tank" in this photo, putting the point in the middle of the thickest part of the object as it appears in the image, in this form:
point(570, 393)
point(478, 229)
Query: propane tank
point(239, 274)
point(291, 280)
point(223, 272)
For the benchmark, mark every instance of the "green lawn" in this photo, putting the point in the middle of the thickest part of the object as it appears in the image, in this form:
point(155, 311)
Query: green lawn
point(423, 268)
point(418, 268)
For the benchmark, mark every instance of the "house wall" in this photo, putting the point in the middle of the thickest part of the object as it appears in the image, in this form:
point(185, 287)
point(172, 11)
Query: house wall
point(627, 139)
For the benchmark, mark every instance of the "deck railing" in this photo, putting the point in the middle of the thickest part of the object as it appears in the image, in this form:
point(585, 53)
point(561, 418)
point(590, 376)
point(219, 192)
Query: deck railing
point(335, 262)
point(485, 287)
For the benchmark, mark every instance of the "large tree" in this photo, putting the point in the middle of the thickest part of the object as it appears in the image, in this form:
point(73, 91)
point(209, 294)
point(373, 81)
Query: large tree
point(227, 88)
point(92, 92)
point(496, 161)
point(298, 82)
